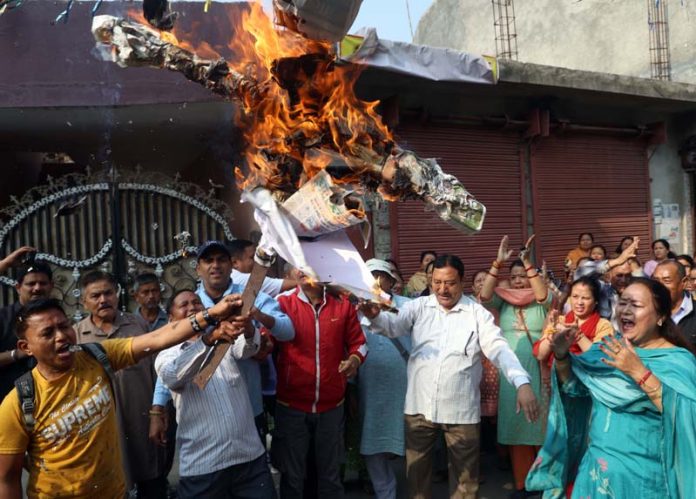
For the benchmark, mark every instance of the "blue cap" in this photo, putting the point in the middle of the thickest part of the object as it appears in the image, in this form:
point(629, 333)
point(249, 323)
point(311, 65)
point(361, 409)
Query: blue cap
point(210, 246)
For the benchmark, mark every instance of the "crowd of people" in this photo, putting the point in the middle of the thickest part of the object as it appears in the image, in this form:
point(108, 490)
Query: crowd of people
point(588, 383)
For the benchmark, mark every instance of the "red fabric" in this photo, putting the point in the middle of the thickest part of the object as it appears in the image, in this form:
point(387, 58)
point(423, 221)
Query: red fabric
point(588, 328)
point(335, 329)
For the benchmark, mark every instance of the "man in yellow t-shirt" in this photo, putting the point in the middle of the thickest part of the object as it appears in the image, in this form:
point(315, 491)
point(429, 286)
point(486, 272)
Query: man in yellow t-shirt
point(74, 448)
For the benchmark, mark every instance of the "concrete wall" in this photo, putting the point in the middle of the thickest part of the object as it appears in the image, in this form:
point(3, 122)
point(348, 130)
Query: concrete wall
point(610, 36)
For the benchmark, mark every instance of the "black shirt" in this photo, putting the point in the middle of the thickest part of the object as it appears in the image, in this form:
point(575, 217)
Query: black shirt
point(8, 341)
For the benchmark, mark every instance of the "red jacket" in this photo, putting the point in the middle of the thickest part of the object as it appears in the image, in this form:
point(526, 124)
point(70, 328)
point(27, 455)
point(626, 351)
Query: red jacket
point(308, 377)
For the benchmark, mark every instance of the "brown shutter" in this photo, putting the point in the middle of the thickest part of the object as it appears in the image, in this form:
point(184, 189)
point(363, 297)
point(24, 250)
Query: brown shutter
point(589, 183)
point(488, 163)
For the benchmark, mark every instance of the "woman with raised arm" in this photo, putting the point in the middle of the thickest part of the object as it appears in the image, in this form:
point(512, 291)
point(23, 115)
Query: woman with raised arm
point(522, 309)
point(622, 421)
point(584, 298)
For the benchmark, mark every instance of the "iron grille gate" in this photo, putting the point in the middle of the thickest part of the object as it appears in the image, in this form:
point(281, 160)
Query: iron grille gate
point(125, 222)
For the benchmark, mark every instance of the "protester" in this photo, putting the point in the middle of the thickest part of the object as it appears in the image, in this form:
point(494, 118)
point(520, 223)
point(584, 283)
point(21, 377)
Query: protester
point(148, 295)
point(214, 267)
point(687, 262)
point(619, 270)
point(660, 250)
point(625, 243)
point(398, 288)
point(162, 429)
point(428, 279)
point(419, 281)
point(598, 252)
point(522, 309)
point(449, 332)
point(691, 279)
point(34, 281)
point(584, 298)
point(73, 448)
point(585, 241)
point(671, 275)
point(220, 454)
point(133, 387)
point(328, 348)
point(624, 410)
point(382, 390)
point(242, 254)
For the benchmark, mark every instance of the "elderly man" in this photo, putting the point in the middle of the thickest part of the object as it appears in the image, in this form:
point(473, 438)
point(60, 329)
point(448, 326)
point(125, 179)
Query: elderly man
point(449, 333)
point(34, 281)
point(673, 276)
point(73, 446)
point(145, 461)
point(147, 294)
point(313, 369)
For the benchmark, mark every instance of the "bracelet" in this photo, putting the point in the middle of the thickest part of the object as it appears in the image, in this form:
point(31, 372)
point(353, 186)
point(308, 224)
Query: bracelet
point(644, 378)
point(209, 319)
point(156, 413)
point(527, 269)
point(494, 276)
point(13, 354)
point(194, 323)
point(533, 276)
point(495, 265)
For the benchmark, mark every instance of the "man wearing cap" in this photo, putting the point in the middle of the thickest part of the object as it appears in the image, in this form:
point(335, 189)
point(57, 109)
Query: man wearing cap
point(313, 368)
point(214, 267)
point(34, 281)
point(382, 391)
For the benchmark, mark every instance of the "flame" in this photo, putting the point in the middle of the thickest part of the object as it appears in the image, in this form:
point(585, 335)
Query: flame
point(309, 104)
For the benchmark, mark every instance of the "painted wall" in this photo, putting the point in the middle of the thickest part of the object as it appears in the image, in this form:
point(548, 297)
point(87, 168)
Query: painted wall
point(610, 36)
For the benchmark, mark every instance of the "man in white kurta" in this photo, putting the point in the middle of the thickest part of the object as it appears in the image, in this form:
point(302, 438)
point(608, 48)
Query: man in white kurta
point(449, 333)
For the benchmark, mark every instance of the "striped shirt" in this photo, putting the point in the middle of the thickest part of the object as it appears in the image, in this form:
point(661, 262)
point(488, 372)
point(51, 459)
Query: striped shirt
point(444, 369)
point(216, 425)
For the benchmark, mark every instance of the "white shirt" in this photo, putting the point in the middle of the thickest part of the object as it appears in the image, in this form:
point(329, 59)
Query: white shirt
point(216, 427)
point(444, 369)
point(271, 286)
point(686, 307)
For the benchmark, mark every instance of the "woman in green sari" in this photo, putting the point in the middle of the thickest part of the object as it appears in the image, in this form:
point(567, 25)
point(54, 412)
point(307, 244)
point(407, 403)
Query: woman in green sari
point(622, 422)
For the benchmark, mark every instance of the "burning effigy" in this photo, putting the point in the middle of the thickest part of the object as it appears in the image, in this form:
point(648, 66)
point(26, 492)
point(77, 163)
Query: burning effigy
point(312, 148)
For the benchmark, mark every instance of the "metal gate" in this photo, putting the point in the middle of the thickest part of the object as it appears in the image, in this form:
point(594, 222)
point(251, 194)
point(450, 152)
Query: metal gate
point(124, 222)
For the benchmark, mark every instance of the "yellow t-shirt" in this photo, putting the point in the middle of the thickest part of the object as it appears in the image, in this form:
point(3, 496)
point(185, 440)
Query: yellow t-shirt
point(74, 449)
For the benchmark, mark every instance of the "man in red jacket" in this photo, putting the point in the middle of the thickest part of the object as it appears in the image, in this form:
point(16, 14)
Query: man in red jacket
point(327, 349)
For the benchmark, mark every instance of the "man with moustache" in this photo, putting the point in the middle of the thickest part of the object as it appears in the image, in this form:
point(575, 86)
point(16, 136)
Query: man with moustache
point(449, 333)
point(145, 462)
point(34, 281)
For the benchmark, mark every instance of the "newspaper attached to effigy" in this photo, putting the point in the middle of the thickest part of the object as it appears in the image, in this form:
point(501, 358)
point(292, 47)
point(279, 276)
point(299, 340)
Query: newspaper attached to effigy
point(319, 208)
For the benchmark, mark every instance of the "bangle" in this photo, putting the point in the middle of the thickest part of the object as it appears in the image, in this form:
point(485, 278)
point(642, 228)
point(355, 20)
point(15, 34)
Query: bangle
point(533, 276)
point(194, 323)
point(209, 319)
point(156, 413)
point(13, 354)
point(495, 265)
point(527, 269)
point(645, 377)
point(356, 356)
point(494, 276)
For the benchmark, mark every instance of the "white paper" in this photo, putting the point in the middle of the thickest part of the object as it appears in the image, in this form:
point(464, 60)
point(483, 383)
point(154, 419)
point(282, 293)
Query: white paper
point(336, 261)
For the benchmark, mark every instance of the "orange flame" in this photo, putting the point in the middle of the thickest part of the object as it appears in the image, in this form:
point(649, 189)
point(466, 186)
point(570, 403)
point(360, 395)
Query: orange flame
point(309, 103)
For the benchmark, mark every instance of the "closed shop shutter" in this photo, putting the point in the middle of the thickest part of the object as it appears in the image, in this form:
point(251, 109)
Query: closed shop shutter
point(590, 183)
point(487, 162)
